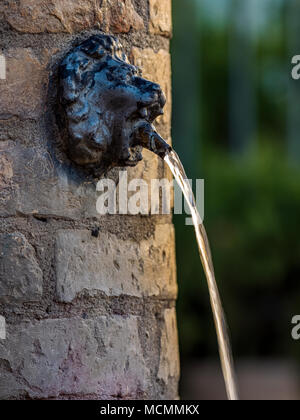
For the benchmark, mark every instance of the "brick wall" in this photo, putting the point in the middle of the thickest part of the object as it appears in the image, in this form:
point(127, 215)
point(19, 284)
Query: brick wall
point(86, 317)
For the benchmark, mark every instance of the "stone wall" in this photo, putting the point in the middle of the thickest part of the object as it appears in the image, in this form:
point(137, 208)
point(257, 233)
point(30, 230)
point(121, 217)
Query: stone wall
point(86, 316)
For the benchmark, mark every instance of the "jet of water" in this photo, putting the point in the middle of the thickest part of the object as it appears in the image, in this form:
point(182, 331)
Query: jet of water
point(174, 163)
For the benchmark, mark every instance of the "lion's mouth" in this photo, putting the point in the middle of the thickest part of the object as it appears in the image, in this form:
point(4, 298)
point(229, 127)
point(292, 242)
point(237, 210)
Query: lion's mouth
point(151, 112)
point(144, 134)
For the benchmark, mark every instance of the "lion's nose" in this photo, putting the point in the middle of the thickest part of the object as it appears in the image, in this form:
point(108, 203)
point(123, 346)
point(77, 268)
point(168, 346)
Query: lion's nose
point(150, 87)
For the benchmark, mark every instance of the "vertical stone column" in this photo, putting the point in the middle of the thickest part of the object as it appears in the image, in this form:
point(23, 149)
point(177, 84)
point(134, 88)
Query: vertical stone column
point(87, 316)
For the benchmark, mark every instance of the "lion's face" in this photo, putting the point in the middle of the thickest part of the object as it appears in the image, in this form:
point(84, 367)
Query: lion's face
point(105, 101)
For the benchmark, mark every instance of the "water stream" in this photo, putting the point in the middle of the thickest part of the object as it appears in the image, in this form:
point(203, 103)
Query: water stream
point(226, 358)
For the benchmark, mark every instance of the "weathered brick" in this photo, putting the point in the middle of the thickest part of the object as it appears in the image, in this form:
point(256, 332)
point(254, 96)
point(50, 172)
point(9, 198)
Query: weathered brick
point(6, 172)
point(37, 16)
point(23, 93)
point(121, 16)
point(101, 357)
point(156, 66)
point(169, 368)
point(21, 279)
point(114, 266)
point(70, 16)
point(160, 17)
point(35, 183)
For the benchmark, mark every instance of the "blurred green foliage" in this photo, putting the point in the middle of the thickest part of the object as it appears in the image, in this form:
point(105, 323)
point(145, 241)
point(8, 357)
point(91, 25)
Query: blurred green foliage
point(252, 208)
point(252, 199)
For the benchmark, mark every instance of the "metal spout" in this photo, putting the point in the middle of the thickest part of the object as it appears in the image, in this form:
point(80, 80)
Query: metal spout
point(148, 137)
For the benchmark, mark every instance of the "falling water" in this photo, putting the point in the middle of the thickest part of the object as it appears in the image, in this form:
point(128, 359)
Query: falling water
point(177, 169)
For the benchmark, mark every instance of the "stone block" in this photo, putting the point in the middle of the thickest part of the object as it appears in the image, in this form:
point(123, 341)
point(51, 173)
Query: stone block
point(116, 267)
point(161, 17)
point(169, 355)
point(121, 16)
point(54, 16)
point(102, 358)
point(21, 279)
point(33, 182)
point(23, 92)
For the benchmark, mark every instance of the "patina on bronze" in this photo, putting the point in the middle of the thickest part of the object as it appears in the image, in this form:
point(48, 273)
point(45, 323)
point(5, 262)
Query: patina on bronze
point(106, 108)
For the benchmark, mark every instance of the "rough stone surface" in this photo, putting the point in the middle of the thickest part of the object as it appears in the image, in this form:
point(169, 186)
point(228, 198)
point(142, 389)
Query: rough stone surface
point(122, 16)
point(36, 16)
point(21, 278)
point(169, 355)
point(6, 172)
point(160, 17)
point(71, 16)
point(100, 357)
point(33, 182)
point(23, 93)
point(115, 267)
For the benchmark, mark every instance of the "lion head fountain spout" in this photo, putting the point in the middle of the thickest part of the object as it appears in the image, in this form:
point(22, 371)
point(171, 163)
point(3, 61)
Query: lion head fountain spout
point(107, 108)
